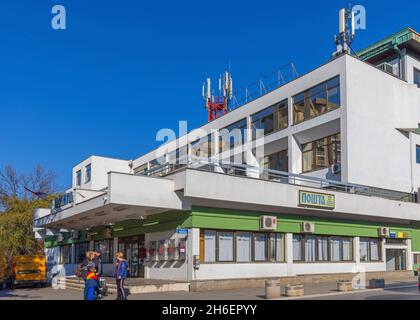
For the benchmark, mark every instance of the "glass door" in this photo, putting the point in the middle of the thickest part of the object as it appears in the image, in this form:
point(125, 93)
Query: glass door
point(396, 259)
point(131, 247)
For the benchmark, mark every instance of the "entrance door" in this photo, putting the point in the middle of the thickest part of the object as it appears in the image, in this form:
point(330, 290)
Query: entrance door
point(396, 259)
point(131, 247)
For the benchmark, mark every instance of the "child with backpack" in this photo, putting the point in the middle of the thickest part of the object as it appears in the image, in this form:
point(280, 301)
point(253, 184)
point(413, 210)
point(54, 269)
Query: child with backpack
point(91, 283)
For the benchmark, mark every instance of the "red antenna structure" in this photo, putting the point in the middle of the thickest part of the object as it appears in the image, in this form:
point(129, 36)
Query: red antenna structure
point(219, 105)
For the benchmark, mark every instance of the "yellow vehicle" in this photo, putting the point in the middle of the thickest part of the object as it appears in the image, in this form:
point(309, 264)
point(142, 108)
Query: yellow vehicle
point(3, 266)
point(27, 271)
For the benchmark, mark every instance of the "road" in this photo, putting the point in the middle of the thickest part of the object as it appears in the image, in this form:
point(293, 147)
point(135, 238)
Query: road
point(407, 291)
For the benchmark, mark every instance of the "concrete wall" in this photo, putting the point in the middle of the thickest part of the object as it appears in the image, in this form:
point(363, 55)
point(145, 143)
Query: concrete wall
point(378, 104)
point(168, 270)
point(100, 166)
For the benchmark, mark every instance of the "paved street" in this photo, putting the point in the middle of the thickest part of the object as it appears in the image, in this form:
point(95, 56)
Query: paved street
point(395, 291)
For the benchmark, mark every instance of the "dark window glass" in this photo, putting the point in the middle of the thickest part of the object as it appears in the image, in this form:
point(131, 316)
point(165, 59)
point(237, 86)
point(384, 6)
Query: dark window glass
point(270, 120)
point(277, 161)
point(88, 173)
point(317, 100)
point(232, 136)
point(418, 154)
point(417, 77)
point(321, 153)
point(79, 178)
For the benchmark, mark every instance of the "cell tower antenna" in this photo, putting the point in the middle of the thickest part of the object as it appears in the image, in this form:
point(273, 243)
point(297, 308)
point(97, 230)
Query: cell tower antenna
point(346, 31)
point(217, 106)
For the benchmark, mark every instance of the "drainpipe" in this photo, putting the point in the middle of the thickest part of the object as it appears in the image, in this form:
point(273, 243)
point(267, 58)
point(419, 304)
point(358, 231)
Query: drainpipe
point(402, 62)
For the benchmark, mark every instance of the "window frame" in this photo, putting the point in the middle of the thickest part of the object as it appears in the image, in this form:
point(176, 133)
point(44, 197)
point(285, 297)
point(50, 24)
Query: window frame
point(380, 245)
point(275, 113)
point(333, 147)
point(109, 258)
point(418, 154)
point(88, 173)
point(306, 95)
point(317, 253)
point(69, 254)
point(235, 260)
point(79, 178)
point(416, 72)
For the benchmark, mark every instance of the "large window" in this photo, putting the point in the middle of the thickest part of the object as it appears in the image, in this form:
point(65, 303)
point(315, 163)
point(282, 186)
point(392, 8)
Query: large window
point(316, 101)
point(277, 161)
point(105, 248)
point(418, 154)
point(270, 120)
point(88, 173)
point(311, 248)
point(225, 246)
point(80, 251)
point(370, 249)
point(203, 148)
point(232, 136)
point(417, 77)
point(79, 178)
point(65, 254)
point(321, 153)
point(241, 247)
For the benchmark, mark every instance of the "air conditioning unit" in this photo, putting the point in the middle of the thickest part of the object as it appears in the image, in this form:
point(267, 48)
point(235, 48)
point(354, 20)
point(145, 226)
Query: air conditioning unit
point(386, 67)
point(308, 227)
point(60, 237)
point(268, 223)
point(75, 235)
point(384, 232)
point(336, 168)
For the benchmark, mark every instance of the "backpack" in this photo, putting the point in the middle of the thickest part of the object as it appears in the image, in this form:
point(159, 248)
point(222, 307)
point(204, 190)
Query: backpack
point(79, 270)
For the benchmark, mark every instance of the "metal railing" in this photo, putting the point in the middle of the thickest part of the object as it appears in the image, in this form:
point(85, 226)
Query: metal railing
point(235, 169)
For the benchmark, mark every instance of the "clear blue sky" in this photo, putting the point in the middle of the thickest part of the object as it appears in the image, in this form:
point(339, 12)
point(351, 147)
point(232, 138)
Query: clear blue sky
point(124, 69)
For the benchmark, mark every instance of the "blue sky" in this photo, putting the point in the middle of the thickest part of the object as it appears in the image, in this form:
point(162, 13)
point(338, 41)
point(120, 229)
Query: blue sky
point(124, 69)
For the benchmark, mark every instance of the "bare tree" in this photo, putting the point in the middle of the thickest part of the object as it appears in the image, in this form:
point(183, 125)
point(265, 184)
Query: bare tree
point(21, 186)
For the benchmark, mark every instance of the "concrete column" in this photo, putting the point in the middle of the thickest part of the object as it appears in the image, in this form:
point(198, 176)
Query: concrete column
point(114, 248)
point(409, 259)
point(73, 254)
point(295, 155)
point(193, 248)
point(288, 243)
point(91, 245)
point(356, 250)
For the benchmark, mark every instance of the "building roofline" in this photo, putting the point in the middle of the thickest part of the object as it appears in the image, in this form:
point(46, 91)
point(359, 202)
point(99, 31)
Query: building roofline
point(379, 47)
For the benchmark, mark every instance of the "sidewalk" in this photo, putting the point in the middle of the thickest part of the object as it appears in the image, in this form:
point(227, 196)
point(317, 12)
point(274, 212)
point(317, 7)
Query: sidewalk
point(311, 290)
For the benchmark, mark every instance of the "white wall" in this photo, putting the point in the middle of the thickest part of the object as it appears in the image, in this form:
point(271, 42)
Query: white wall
point(100, 166)
point(168, 270)
point(411, 63)
point(377, 105)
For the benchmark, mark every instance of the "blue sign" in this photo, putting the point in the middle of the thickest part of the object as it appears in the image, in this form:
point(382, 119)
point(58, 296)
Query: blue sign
point(393, 235)
point(182, 231)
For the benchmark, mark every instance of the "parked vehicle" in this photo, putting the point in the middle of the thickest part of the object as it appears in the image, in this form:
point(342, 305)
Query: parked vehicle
point(27, 271)
point(3, 267)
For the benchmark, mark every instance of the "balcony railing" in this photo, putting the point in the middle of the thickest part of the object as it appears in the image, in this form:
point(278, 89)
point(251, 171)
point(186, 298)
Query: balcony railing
point(62, 200)
point(234, 169)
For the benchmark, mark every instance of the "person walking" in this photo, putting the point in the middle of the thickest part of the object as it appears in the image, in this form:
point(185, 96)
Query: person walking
point(121, 271)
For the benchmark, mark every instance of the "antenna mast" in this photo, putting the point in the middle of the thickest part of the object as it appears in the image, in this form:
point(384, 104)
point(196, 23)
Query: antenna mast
point(219, 105)
point(346, 33)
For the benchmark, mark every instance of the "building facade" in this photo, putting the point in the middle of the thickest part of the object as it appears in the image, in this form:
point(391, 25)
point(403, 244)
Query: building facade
point(318, 176)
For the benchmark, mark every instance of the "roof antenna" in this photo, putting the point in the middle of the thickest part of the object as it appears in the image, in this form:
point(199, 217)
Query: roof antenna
point(346, 32)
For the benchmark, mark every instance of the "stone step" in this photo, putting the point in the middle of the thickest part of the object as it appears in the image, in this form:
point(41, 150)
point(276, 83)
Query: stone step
point(78, 284)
